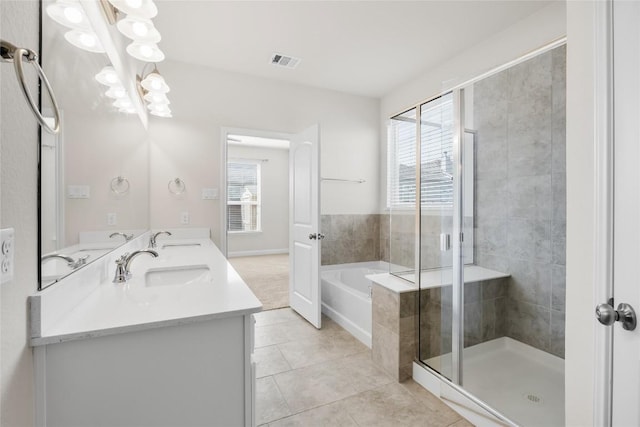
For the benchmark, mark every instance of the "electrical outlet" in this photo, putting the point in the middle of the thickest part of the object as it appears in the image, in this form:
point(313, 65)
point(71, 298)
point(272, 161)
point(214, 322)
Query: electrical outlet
point(184, 218)
point(7, 237)
point(112, 219)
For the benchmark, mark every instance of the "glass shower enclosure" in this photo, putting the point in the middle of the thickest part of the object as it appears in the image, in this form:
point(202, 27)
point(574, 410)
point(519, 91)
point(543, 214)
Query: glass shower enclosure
point(477, 221)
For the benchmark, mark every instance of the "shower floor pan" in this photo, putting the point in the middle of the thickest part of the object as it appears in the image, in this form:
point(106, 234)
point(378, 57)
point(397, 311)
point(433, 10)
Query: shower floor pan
point(519, 381)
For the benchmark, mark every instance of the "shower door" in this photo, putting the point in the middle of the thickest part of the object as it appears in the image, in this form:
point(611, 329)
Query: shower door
point(439, 333)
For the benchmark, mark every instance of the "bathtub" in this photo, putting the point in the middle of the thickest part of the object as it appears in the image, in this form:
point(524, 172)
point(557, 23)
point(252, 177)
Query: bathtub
point(346, 296)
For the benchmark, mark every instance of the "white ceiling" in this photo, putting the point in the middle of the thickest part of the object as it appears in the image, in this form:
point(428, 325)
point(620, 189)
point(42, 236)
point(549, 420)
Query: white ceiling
point(361, 47)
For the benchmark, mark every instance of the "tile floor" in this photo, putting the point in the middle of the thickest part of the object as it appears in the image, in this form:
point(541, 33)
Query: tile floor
point(309, 377)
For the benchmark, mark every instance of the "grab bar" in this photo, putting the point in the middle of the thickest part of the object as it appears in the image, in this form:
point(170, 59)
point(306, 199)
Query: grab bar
point(11, 53)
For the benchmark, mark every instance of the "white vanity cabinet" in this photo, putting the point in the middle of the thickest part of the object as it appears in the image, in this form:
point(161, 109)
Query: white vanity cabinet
point(133, 355)
point(194, 374)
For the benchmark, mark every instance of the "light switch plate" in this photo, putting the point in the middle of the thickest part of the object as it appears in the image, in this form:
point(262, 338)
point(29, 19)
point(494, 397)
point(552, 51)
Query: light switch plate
point(209, 194)
point(78, 191)
point(112, 219)
point(7, 249)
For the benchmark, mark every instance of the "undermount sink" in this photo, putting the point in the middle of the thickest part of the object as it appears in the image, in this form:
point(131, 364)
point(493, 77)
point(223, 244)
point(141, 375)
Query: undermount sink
point(182, 275)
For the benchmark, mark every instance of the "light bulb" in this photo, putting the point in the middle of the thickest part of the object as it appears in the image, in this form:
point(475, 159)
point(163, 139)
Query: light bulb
point(72, 14)
point(84, 39)
point(108, 76)
point(145, 9)
point(116, 92)
point(88, 40)
point(123, 103)
point(140, 29)
point(146, 51)
point(135, 4)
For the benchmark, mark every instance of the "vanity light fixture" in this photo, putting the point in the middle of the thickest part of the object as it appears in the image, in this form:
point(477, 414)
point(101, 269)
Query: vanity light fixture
point(145, 9)
point(84, 39)
point(154, 90)
point(69, 13)
point(140, 30)
point(147, 52)
point(108, 77)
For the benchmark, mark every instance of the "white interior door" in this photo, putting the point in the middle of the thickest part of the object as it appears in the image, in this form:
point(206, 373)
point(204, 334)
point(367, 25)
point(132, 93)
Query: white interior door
point(304, 217)
point(626, 283)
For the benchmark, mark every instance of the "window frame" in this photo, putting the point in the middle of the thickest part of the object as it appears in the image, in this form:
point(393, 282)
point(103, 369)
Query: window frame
point(257, 202)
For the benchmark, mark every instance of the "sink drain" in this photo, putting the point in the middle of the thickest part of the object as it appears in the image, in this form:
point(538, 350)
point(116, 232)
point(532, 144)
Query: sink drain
point(533, 398)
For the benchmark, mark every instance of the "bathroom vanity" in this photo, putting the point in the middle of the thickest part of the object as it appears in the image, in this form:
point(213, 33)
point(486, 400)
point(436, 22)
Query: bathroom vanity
point(171, 347)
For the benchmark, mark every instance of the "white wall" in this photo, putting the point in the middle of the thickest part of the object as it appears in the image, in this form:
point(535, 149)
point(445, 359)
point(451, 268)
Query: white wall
point(205, 100)
point(18, 209)
point(99, 147)
point(274, 181)
point(543, 27)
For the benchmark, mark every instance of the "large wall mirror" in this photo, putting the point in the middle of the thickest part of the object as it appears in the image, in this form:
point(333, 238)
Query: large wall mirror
point(94, 189)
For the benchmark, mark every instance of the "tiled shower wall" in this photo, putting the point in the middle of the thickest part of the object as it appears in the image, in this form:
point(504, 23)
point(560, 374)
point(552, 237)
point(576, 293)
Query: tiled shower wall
point(520, 194)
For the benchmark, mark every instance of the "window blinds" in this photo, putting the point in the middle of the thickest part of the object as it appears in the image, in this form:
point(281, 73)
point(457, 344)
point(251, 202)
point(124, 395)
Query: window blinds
point(436, 146)
point(243, 196)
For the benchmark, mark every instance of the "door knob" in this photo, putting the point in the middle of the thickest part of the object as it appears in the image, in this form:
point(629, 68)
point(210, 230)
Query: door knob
point(313, 236)
point(625, 314)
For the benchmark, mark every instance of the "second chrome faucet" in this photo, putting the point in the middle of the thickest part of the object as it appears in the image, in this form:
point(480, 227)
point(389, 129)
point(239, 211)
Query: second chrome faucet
point(123, 264)
point(152, 239)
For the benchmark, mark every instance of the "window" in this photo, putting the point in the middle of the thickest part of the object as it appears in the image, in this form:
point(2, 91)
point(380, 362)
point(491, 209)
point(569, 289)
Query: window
point(436, 156)
point(243, 196)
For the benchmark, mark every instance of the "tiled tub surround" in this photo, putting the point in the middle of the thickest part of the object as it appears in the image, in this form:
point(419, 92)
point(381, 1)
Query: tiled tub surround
point(520, 194)
point(350, 238)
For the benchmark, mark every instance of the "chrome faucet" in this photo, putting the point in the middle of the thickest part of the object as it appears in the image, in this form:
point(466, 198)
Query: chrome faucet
point(123, 264)
point(127, 237)
point(152, 239)
point(71, 263)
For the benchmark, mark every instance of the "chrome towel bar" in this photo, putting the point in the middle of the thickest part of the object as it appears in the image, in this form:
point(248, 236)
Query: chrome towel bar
point(11, 53)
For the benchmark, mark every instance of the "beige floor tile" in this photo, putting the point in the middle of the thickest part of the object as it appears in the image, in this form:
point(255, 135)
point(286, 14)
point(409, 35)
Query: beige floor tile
point(270, 335)
point(364, 374)
point(427, 400)
point(319, 349)
point(269, 361)
point(313, 386)
point(272, 317)
point(270, 405)
point(329, 415)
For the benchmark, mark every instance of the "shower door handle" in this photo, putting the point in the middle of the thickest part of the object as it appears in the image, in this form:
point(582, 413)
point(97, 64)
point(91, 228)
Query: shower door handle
point(625, 314)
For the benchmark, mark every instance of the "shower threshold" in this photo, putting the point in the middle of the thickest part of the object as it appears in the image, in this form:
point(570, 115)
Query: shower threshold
point(521, 382)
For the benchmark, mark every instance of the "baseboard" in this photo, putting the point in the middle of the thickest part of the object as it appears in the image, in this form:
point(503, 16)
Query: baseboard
point(258, 252)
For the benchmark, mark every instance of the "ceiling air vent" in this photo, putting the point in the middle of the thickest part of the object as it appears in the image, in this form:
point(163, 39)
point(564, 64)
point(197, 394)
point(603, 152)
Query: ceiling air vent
point(284, 61)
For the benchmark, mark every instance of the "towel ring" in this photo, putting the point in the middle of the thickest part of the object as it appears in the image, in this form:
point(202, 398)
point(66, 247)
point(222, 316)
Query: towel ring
point(176, 186)
point(10, 53)
point(120, 185)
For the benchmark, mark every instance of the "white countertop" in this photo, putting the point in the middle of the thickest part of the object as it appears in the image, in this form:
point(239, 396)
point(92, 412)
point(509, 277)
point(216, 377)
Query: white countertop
point(116, 308)
point(433, 278)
